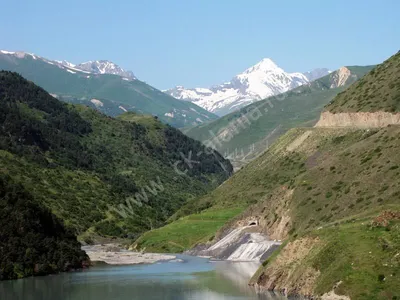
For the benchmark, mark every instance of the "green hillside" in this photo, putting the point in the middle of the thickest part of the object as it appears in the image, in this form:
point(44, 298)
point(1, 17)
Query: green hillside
point(100, 175)
point(33, 241)
point(280, 168)
point(331, 194)
point(377, 91)
point(244, 134)
point(114, 93)
point(338, 180)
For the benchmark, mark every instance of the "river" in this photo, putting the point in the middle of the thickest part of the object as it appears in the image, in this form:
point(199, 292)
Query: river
point(187, 277)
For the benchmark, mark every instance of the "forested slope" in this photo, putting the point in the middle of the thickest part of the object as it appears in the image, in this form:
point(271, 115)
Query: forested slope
point(87, 168)
point(32, 240)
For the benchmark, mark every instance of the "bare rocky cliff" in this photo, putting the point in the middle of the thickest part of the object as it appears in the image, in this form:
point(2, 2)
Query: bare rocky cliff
point(340, 77)
point(284, 274)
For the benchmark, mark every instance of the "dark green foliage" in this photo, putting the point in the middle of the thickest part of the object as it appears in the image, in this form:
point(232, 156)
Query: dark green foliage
point(81, 164)
point(381, 277)
point(58, 128)
point(32, 240)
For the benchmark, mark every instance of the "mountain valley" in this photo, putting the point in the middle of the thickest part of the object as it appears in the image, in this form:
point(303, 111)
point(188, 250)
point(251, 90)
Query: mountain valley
point(329, 193)
point(315, 201)
point(99, 176)
point(196, 150)
point(244, 134)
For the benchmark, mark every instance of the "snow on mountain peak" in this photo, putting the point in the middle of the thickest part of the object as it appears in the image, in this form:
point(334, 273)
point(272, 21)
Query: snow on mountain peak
point(94, 67)
point(66, 63)
point(258, 82)
point(6, 52)
point(19, 54)
point(265, 65)
point(105, 67)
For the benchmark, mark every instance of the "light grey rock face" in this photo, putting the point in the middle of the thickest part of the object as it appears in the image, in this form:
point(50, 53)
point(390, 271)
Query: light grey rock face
point(316, 73)
point(105, 67)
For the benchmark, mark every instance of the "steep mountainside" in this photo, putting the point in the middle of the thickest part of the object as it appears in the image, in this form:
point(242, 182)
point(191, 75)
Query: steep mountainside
point(98, 174)
point(330, 194)
point(263, 80)
point(378, 91)
point(32, 240)
point(374, 101)
point(319, 190)
point(110, 94)
point(244, 134)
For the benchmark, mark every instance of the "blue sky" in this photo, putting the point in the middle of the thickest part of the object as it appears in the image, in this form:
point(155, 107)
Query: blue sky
point(204, 42)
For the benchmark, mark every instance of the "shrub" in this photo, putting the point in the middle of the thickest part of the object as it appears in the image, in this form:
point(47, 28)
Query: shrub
point(335, 208)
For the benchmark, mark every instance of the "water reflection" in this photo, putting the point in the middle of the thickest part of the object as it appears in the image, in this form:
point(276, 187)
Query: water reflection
point(195, 278)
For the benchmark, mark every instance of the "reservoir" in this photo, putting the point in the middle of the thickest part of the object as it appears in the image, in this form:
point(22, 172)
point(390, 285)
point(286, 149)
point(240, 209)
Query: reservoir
point(186, 277)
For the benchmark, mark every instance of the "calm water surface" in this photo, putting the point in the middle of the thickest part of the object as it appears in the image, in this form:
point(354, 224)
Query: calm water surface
point(192, 278)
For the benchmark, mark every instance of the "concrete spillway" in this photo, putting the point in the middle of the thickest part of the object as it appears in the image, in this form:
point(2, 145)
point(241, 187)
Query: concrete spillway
point(230, 238)
point(240, 244)
point(253, 249)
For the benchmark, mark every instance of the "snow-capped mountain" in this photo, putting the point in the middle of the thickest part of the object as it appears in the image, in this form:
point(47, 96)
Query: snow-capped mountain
point(263, 80)
point(65, 63)
point(105, 67)
point(317, 73)
point(93, 67)
point(111, 95)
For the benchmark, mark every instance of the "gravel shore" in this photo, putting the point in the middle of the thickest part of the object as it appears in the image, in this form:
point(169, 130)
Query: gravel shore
point(112, 254)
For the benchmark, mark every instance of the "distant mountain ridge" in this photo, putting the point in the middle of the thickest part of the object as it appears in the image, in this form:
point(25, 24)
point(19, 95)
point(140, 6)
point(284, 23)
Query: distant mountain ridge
point(240, 136)
point(104, 86)
point(94, 67)
point(258, 82)
point(316, 73)
point(105, 67)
